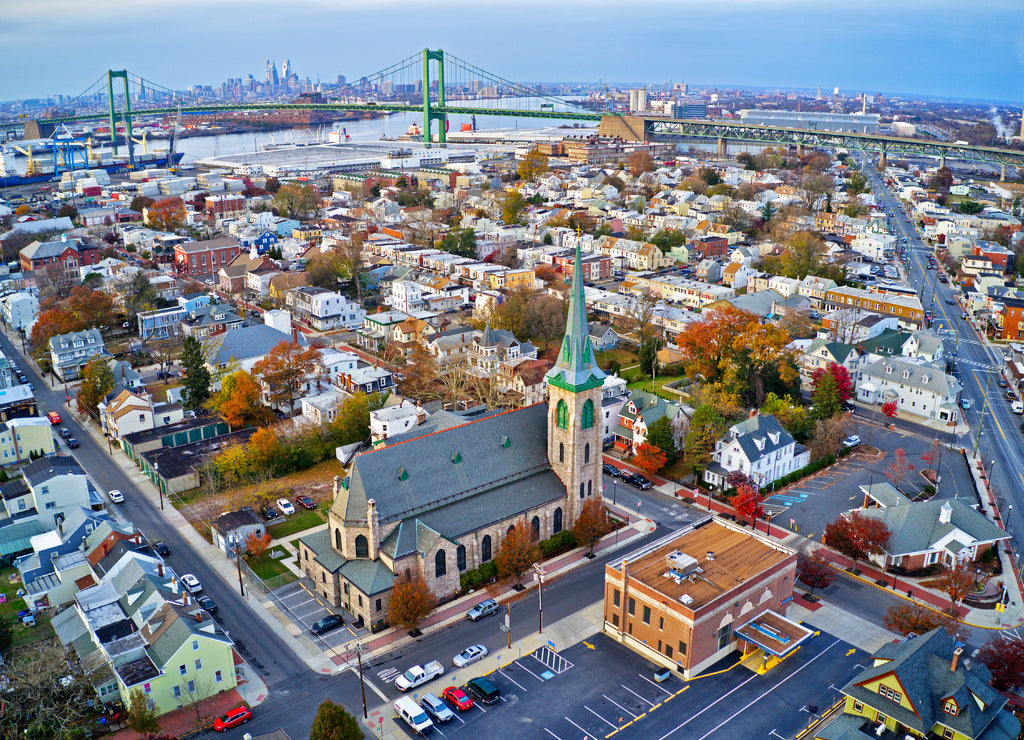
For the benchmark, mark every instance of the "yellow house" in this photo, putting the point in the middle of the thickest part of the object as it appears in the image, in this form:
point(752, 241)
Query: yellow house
point(19, 437)
point(307, 233)
point(511, 280)
point(280, 285)
point(921, 687)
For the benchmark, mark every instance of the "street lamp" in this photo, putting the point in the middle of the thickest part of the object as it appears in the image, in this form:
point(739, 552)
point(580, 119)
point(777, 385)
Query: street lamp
point(540, 597)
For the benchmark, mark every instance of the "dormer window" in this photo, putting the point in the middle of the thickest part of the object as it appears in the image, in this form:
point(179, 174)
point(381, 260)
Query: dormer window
point(774, 437)
point(950, 707)
point(906, 374)
point(759, 442)
point(888, 369)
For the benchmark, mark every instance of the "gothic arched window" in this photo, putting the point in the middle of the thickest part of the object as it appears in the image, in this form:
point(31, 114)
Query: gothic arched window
point(362, 547)
point(485, 549)
point(563, 414)
point(561, 452)
point(587, 419)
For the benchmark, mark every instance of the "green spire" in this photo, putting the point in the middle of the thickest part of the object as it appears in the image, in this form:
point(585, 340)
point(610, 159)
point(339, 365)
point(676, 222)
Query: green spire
point(576, 368)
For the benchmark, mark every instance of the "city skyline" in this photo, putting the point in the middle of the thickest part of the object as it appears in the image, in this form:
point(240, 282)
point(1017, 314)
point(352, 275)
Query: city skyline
point(904, 47)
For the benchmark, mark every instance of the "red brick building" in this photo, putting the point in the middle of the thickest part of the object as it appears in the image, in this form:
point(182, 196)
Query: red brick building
point(711, 246)
point(689, 599)
point(68, 253)
point(199, 259)
point(593, 266)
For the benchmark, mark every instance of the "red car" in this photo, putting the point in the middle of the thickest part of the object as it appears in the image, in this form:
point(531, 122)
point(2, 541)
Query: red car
point(458, 698)
point(234, 718)
point(305, 502)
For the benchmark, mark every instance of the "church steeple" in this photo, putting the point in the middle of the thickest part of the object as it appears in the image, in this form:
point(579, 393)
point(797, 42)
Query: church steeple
point(576, 369)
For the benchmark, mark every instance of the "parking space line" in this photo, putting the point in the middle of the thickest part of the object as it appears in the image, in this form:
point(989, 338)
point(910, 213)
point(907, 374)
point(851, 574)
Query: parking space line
point(529, 671)
point(552, 734)
point(657, 686)
point(614, 727)
point(585, 732)
point(511, 679)
point(648, 703)
point(619, 706)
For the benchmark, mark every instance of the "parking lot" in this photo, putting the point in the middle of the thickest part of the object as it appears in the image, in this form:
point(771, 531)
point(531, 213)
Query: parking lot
point(305, 607)
point(598, 688)
point(811, 503)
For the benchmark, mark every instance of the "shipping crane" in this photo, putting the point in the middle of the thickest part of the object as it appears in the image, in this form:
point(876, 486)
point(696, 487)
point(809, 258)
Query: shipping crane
point(30, 168)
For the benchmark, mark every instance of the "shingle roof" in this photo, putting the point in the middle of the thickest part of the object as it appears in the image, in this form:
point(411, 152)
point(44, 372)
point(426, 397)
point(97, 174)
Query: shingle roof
point(761, 428)
point(247, 342)
point(45, 468)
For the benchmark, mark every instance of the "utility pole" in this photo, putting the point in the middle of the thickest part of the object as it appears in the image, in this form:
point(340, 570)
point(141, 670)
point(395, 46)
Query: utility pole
point(238, 562)
point(981, 420)
point(540, 598)
point(362, 685)
point(508, 624)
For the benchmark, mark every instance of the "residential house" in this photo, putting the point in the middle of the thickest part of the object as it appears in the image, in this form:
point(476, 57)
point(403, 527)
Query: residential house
point(205, 258)
point(17, 402)
point(395, 419)
point(246, 346)
point(334, 362)
point(816, 289)
point(165, 323)
point(20, 311)
point(232, 529)
point(492, 348)
point(524, 383)
point(69, 353)
point(231, 277)
point(365, 379)
point(709, 271)
point(322, 408)
point(66, 255)
point(906, 308)
point(208, 321)
point(324, 309)
point(760, 448)
point(21, 437)
point(409, 334)
point(918, 388)
point(637, 415)
point(257, 280)
point(127, 413)
point(822, 352)
point(603, 337)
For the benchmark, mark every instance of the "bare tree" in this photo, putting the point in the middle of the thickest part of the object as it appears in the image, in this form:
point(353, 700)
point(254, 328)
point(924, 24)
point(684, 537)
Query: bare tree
point(453, 382)
point(353, 262)
point(827, 437)
point(164, 352)
point(640, 314)
point(194, 691)
point(43, 689)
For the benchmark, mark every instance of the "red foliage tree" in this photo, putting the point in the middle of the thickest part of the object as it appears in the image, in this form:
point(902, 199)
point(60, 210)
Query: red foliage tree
point(889, 409)
point(814, 571)
point(857, 536)
point(1005, 661)
point(650, 459)
point(748, 502)
point(899, 468)
point(844, 384)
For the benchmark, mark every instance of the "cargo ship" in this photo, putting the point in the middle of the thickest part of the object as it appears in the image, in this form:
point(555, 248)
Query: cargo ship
point(43, 160)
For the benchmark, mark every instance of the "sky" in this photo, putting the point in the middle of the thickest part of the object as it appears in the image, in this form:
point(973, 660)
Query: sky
point(928, 47)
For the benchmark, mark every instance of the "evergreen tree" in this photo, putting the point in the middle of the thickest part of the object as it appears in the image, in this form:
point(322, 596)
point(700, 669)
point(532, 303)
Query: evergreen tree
point(660, 435)
point(197, 376)
point(334, 723)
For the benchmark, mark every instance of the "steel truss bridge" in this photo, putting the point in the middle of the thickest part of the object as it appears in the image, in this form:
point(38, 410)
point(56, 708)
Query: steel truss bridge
point(439, 85)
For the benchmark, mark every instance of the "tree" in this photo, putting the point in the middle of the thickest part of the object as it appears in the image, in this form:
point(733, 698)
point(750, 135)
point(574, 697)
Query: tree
point(857, 536)
point(196, 380)
point(814, 571)
point(323, 269)
point(913, 617)
point(513, 205)
point(899, 468)
point(166, 215)
point(45, 693)
point(97, 382)
point(970, 207)
point(6, 635)
point(420, 375)
point(460, 242)
point(283, 371)
point(639, 162)
point(296, 200)
point(517, 552)
point(512, 314)
point(351, 262)
point(889, 409)
point(660, 435)
point(942, 179)
point(668, 238)
point(706, 427)
point(857, 184)
point(639, 313)
point(1005, 661)
point(534, 165)
point(791, 415)
point(332, 722)
point(142, 716)
point(649, 458)
point(748, 502)
point(829, 392)
point(828, 435)
point(813, 187)
point(140, 296)
point(957, 582)
point(239, 401)
point(648, 357)
point(546, 318)
point(49, 324)
point(68, 211)
point(591, 523)
point(411, 601)
point(257, 544)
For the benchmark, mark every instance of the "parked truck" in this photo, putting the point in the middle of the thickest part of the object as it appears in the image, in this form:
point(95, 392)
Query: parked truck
point(419, 675)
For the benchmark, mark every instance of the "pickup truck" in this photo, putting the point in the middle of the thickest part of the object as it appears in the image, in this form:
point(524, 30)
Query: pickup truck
point(419, 675)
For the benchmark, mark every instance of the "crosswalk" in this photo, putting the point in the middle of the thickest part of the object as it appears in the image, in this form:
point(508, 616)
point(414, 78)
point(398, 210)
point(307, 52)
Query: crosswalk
point(388, 674)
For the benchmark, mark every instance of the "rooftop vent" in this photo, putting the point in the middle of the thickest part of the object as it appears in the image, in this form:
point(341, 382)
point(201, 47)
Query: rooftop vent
point(680, 563)
point(686, 599)
point(456, 457)
point(402, 475)
point(506, 442)
point(710, 555)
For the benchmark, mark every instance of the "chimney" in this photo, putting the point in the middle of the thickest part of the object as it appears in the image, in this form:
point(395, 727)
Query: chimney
point(753, 413)
point(295, 335)
point(160, 569)
point(956, 659)
point(373, 520)
point(337, 485)
point(199, 615)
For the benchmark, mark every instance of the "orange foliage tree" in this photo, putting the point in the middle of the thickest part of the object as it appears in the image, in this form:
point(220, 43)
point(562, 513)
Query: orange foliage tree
point(591, 523)
point(517, 552)
point(166, 215)
point(650, 459)
point(239, 401)
point(256, 544)
point(283, 371)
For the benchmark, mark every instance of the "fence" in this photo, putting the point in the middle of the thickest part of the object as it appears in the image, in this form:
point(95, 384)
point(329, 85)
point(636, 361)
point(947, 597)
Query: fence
point(266, 585)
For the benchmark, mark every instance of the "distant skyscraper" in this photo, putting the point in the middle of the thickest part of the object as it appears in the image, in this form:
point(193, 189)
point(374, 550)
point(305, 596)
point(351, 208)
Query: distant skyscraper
point(818, 96)
point(272, 78)
point(286, 68)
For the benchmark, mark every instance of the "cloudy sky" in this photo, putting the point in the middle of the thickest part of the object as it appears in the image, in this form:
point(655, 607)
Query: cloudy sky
point(933, 47)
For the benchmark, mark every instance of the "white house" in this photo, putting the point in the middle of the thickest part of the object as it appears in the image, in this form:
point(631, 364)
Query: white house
point(392, 420)
point(759, 448)
point(48, 491)
point(20, 311)
point(918, 388)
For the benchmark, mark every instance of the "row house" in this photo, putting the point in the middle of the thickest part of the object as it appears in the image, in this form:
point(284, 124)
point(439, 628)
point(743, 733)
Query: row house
point(595, 267)
point(205, 258)
point(127, 413)
point(906, 308)
point(451, 345)
point(211, 320)
point(282, 283)
point(224, 205)
point(693, 294)
point(410, 334)
point(231, 277)
point(257, 279)
point(365, 379)
point(165, 323)
point(634, 255)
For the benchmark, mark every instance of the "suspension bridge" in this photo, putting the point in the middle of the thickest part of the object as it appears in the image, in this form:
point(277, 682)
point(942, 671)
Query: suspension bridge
point(438, 85)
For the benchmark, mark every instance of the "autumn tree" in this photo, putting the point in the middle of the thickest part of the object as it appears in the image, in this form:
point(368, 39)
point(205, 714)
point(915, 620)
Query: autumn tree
point(283, 371)
point(257, 544)
point(828, 393)
point(323, 269)
point(196, 380)
point(591, 523)
point(1005, 661)
point(899, 468)
point(420, 375)
point(649, 458)
point(804, 255)
point(513, 206)
point(49, 324)
point(706, 427)
point(517, 552)
point(545, 315)
point(332, 722)
point(791, 415)
point(908, 617)
point(957, 582)
point(857, 535)
point(296, 200)
point(640, 162)
point(748, 502)
point(97, 382)
point(828, 435)
point(889, 409)
point(534, 164)
point(142, 715)
point(238, 401)
point(814, 571)
point(91, 308)
point(512, 314)
point(411, 601)
point(166, 215)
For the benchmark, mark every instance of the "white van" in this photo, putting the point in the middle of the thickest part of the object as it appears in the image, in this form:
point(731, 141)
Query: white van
point(1017, 407)
point(413, 715)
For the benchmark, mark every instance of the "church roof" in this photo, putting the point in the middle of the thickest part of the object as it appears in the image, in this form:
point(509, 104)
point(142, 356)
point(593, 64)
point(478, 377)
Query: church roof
point(576, 368)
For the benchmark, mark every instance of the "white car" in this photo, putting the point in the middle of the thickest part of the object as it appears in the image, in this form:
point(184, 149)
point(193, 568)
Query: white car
point(470, 655)
point(852, 441)
point(285, 506)
point(116, 496)
point(191, 583)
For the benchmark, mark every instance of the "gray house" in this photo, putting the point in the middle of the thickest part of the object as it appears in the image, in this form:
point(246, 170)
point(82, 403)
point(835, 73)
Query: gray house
point(233, 527)
point(69, 353)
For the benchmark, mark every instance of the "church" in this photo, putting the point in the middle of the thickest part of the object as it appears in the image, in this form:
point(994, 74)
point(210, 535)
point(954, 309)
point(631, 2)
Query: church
point(441, 502)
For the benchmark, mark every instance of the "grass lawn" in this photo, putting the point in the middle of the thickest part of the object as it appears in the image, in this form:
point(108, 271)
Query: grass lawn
point(624, 356)
point(266, 566)
point(159, 390)
point(9, 611)
point(296, 523)
point(659, 386)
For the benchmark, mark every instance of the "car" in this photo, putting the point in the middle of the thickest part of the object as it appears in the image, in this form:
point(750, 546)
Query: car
point(65, 432)
point(485, 608)
point(951, 301)
point(269, 512)
point(459, 699)
point(305, 502)
point(638, 481)
point(192, 583)
point(54, 418)
point(852, 441)
point(1001, 383)
point(1010, 395)
point(285, 506)
point(161, 548)
point(436, 708)
point(965, 403)
point(328, 623)
point(208, 604)
point(470, 655)
point(483, 690)
point(233, 718)
point(611, 470)
point(116, 496)
point(72, 443)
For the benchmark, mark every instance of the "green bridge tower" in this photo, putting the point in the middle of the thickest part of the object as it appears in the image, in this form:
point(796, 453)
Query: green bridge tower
point(429, 114)
point(122, 74)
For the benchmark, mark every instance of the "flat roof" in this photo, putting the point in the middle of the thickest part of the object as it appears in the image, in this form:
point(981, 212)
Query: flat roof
point(774, 633)
point(713, 559)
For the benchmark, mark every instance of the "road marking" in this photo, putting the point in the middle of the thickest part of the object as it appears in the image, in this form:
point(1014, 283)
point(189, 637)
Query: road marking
point(370, 683)
point(614, 727)
point(585, 733)
point(737, 688)
point(511, 679)
point(529, 671)
point(655, 685)
point(552, 734)
point(619, 706)
point(648, 703)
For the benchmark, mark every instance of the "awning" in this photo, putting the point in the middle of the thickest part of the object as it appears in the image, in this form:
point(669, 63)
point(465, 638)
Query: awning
point(774, 633)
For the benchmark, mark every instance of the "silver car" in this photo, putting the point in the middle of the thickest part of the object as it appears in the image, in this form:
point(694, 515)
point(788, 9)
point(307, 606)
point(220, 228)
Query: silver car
point(470, 655)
